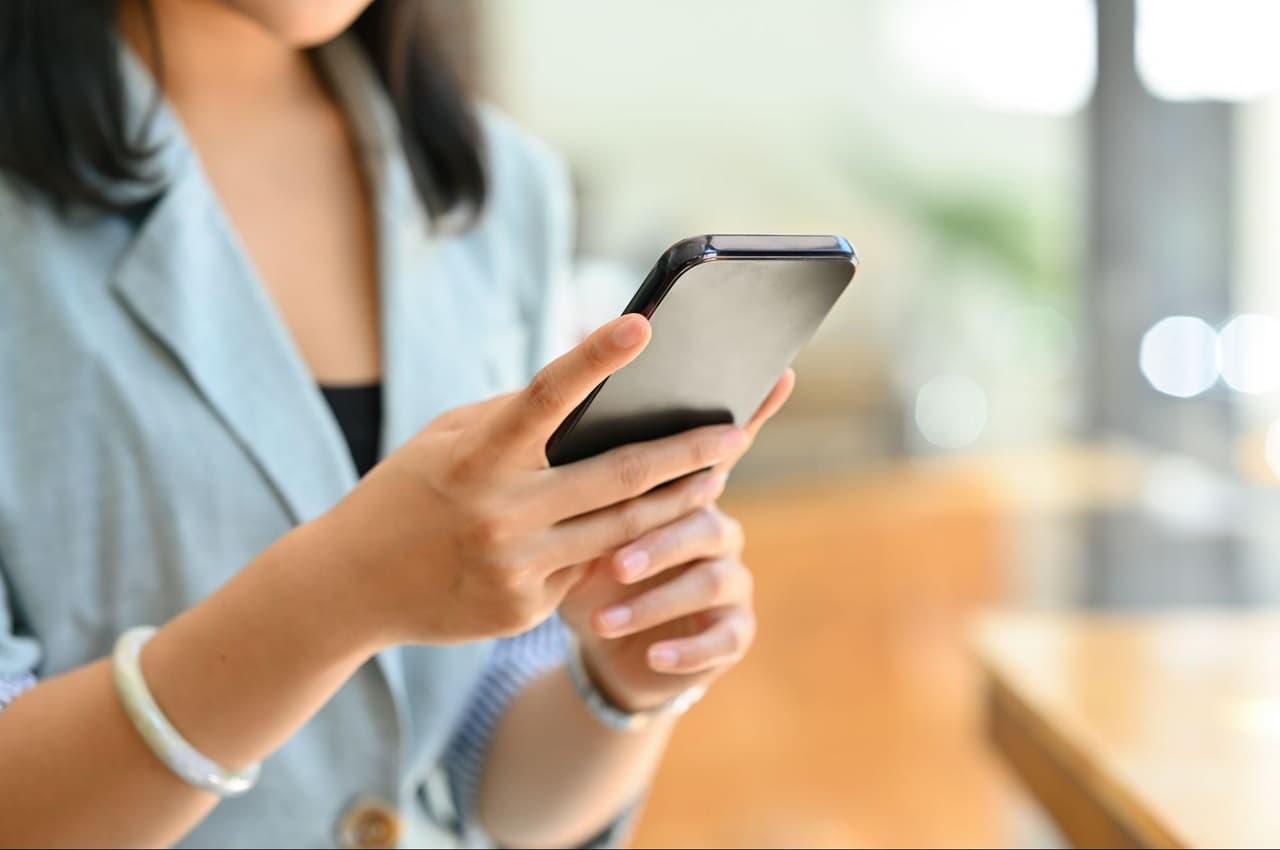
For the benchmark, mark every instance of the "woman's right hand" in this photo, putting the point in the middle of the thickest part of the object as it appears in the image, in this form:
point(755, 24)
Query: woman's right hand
point(466, 533)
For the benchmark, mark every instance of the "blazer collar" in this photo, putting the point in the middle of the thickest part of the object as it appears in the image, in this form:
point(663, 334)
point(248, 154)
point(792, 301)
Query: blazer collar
point(428, 358)
point(187, 278)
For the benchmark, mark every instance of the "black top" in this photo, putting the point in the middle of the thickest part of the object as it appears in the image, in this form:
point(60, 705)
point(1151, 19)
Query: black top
point(358, 410)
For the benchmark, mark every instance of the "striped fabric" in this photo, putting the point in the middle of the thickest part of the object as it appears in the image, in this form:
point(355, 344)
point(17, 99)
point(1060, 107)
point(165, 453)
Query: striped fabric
point(515, 663)
point(11, 686)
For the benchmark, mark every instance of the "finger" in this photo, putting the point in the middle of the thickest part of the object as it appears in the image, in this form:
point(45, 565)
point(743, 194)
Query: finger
point(773, 402)
point(706, 533)
point(532, 415)
point(469, 414)
point(586, 537)
point(631, 471)
point(703, 586)
point(725, 641)
point(564, 580)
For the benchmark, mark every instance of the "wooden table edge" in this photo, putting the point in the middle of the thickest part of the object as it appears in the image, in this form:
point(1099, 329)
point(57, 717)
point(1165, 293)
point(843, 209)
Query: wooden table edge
point(1022, 736)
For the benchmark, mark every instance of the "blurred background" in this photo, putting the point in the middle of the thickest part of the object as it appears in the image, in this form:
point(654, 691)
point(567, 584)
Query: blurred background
point(1053, 384)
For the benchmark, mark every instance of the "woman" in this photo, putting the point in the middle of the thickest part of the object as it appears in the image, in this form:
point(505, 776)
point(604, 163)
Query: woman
point(235, 272)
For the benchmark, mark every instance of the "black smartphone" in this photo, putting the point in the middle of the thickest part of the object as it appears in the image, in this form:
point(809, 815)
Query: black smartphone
point(729, 313)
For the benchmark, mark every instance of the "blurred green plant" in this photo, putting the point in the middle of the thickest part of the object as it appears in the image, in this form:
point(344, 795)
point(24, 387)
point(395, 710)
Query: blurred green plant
point(1027, 233)
point(1008, 230)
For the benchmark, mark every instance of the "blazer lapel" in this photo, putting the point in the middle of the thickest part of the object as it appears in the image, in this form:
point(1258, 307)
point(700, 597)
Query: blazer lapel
point(426, 365)
point(187, 279)
point(430, 363)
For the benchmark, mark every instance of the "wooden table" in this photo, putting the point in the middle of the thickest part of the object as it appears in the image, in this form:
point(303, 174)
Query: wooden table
point(856, 720)
point(1142, 732)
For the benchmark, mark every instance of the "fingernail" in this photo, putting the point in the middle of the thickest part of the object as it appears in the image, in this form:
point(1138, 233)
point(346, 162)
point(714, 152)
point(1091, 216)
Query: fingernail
point(663, 657)
point(628, 334)
point(615, 617)
point(633, 563)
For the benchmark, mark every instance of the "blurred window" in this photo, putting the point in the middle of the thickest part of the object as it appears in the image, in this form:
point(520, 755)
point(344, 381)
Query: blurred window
point(1007, 55)
point(1199, 50)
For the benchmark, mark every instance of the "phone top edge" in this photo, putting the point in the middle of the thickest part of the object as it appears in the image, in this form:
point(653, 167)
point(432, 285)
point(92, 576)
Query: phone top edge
point(772, 246)
point(695, 250)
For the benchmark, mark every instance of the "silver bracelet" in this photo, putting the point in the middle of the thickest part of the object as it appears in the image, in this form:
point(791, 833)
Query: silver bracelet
point(603, 710)
point(190, 765)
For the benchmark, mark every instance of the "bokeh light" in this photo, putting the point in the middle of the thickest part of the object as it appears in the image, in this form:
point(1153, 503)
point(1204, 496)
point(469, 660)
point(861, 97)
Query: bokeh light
point(954, 47)
point(1193, 50)
point(1273, 447)
point(1179, 356)
point(1249, 348)
point(951, 411)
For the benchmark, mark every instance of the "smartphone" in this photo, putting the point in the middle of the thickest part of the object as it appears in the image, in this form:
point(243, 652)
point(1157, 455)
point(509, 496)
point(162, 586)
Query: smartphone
point(729, 313)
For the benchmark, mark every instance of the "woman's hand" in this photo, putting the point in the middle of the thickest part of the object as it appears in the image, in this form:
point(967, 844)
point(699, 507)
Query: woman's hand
point(466, 533)
point(673, 608)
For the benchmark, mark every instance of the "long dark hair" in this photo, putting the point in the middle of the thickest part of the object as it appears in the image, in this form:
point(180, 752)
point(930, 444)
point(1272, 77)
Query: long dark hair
point(63, 118)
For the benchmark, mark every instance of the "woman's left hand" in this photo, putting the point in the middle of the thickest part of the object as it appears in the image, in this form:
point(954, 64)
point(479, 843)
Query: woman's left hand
point(671, 610)
point(687, 623)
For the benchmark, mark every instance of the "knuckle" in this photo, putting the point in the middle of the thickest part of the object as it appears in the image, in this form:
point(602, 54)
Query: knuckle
point(726, 531)
point(744, 635)
point(510, 573)
point(596, 356)
point(631, 522)
point(517, 614)
point(721, 528)
point(644, 607)
point(717, 578)
point(529, 616)
point(544, 393)
point(699, 495)
point(632, 471)
point(489, 532)
point(486, 532)
point(735, 533)
point(462, 464)
point(518, 599)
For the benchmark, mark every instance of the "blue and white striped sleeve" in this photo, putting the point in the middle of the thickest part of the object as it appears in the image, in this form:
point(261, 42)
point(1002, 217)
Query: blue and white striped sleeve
point(13, 685)
point(516, 662)
point(19, 651)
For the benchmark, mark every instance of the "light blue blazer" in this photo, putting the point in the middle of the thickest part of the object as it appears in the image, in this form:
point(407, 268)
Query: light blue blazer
point(158, 429)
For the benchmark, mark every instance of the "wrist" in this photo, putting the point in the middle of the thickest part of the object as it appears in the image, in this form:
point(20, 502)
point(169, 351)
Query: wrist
point(237, 673)
point(622, 718)
point(596, 666)
point(328, 597)
point(603, 668)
